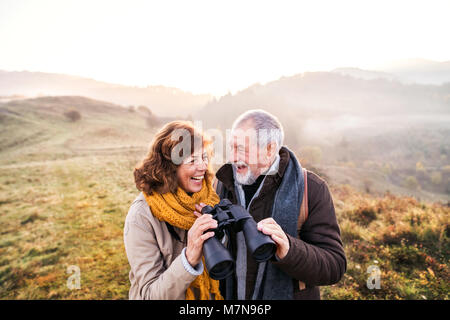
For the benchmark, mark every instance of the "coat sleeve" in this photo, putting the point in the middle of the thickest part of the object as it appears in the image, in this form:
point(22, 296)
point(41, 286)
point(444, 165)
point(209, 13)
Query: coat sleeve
point(153, 279)
point(317, 257)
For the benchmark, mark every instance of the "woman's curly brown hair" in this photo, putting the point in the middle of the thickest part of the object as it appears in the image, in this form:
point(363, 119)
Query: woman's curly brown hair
point(158, 172)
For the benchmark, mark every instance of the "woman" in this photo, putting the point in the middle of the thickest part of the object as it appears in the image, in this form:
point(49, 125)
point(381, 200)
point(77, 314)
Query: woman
point(164, 231)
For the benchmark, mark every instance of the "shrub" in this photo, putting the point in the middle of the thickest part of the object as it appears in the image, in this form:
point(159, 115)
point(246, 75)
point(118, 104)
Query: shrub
point(395, 234)
point(406, 258)
point(350, 231)
point(368, 185)
point(411, 183)
point(420, 167)
point(363, 215)
point(152, 120)
point(31, 218)
point(436, 178)
point(73, 115)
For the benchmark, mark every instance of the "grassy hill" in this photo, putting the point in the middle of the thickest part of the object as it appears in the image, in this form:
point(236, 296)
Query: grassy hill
point(38, 129)
point(66, 186)
point(63, 182)
point(164, 101)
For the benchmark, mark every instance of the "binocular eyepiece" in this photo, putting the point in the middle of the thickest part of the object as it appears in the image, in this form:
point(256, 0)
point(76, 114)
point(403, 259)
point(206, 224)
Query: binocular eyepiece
point(233, 217)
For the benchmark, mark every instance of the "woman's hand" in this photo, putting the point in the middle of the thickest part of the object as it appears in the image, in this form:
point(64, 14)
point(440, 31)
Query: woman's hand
point(271, 228)
point(199, 208)
point(197, 236)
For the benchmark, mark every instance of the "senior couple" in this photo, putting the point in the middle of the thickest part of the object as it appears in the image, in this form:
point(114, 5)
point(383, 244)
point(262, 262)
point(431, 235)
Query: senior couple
point(165, 231)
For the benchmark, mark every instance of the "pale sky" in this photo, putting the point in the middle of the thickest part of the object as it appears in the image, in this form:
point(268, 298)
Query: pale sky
point(216, 46)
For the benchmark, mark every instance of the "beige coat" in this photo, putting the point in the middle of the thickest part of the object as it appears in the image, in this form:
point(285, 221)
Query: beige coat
point(157, 271)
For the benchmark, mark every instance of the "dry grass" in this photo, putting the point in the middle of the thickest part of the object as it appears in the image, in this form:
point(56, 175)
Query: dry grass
point(67, 214)
point(407, 240)
point(65, 189)
point(72, 213)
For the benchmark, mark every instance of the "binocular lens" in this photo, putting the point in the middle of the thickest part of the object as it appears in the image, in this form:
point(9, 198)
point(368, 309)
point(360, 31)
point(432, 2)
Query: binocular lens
point(260, 245)
point(218, 260)
point(221, 270)
point(264, 252)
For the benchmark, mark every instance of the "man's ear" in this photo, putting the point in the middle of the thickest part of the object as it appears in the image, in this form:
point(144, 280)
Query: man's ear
point(271, 149)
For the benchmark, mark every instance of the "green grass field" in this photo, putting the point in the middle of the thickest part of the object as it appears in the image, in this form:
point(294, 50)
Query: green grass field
point(57, 215)
point(64, 196)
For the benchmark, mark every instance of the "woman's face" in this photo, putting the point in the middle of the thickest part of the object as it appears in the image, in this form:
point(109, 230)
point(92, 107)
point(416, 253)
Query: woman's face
point(192, 171)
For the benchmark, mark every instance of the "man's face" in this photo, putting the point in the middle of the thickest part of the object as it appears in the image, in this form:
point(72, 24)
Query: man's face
point(249, 160)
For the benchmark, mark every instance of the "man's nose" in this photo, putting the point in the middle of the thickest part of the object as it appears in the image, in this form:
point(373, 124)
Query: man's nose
point(234, 156)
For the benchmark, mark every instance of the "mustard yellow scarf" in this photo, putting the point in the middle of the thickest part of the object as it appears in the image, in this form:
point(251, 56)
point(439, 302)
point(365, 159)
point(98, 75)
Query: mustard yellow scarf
point(178, 210)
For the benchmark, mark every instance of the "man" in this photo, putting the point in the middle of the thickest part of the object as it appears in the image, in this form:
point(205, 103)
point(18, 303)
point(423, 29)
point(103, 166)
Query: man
point(265, 177)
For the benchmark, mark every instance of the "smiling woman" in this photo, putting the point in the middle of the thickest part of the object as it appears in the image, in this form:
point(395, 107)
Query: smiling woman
point(163, 233)
point(161, 171)
point(191, 172)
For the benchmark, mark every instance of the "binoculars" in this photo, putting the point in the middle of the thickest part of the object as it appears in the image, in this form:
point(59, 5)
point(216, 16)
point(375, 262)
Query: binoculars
point(233, 217)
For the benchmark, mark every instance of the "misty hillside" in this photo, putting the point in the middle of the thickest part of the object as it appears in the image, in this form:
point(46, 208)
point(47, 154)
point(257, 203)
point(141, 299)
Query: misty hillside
point(419, 71)
point(365, 74)
point(335, 93)
point(326, 102)
point(162, 100)
point(379, 134)
point(407, 71)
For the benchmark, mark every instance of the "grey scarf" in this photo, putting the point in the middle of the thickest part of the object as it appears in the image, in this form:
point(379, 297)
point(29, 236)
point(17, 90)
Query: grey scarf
point(271, 282)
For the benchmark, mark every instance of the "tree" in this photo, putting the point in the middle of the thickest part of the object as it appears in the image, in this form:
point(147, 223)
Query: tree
point(73, 115)
point(368, 185)
point(420, 167)
point(436, 178)
point(411, 183)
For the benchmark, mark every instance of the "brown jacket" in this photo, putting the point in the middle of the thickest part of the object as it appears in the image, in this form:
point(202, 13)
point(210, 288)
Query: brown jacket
point(317, 256)
point(157, 271)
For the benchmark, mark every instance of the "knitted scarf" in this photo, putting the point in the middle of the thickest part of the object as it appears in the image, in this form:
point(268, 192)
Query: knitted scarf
point(178, 210)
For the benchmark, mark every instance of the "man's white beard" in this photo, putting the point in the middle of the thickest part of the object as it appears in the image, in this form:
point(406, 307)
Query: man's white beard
point(245, 179)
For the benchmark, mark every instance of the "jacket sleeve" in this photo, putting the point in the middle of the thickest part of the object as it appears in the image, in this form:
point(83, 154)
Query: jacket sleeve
point(154, 280)
point(318, 257)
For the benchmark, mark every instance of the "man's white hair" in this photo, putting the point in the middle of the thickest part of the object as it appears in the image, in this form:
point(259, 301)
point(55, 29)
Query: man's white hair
point(268, 127)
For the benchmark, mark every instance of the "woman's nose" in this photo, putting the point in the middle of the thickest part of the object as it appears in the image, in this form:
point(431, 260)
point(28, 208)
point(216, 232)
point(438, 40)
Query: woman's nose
point(202, 165)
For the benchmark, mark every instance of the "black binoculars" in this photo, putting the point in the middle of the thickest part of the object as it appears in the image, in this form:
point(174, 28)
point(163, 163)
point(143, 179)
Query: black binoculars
point(233, 217)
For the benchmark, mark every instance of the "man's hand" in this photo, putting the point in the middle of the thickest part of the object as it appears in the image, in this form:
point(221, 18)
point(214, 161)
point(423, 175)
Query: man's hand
point(271, 228)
